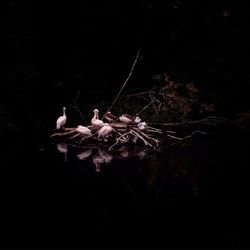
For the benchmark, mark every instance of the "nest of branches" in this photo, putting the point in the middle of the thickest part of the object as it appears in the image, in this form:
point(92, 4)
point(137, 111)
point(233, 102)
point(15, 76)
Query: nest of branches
point(121, 134)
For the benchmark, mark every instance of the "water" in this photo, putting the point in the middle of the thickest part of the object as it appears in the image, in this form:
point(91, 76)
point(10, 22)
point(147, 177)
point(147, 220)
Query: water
point(192, 194)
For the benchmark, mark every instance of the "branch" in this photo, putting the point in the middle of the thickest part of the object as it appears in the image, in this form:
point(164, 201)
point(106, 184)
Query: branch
point(124, 84)
point(188, 136)
point(142, 110)
point(118, 139)
point(63, 133)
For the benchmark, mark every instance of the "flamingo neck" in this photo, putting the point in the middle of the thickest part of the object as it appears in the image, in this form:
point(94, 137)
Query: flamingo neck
point(96, 116)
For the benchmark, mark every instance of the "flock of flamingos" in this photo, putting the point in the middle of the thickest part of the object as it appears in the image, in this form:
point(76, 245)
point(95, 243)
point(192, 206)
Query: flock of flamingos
point(121, 131)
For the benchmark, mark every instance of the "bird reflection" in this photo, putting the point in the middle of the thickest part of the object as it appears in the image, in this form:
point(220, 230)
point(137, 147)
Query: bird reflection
point(103, 152)
point(101, 155)
point(84, 154)
point(124, 153)
point(97, 160)
point(141, 154)
point(63, 148)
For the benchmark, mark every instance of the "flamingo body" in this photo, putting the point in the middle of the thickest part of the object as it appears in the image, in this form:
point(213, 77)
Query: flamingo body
point(61, 120)
point(63, 148)
point(129, 119)
point(84, 154)
point(84, 131)
point(142, 125)
point(95, 121)
point(105, 131)
point(110, 117)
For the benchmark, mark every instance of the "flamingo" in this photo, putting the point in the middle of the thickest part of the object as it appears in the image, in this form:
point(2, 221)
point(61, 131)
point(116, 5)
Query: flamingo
point(63, 148)
point(141, 154)
point(110, 117)
point(102, 156)
point(107, 158)
point(129, 119)
point(84, 131)
point(61, 120)
point(142, 125)
point(105, 131)
point(137, 119)
point(84, 154)
point(124, 152)
point(95, 121)
point(97, 160)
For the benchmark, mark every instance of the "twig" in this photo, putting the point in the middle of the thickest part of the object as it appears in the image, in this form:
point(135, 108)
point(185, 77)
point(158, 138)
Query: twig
point(175, 137)
point(145, 107)
point(150, 138)
point(64, 129)
point(144, 140)
point(171, 132)
point(141, 111)
point(63, 134)
point(118, 139)
point(124, 84)
point(210, 120)
point(154, 131)
point(156, 112)
point(169, 97)
point(188, 136)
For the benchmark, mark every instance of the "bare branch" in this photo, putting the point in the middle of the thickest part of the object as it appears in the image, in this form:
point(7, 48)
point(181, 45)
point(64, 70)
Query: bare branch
point(63, 133)
point(124, 84)
point(188, 136)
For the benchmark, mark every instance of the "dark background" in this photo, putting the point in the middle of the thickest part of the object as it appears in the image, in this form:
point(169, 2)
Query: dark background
point(51, 50)
point(89, 46)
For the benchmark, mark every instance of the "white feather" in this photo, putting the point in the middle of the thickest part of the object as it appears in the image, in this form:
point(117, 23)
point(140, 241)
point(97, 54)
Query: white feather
point(95, 121)
point(142, 125)
point(84, 154)
point(84, 131)
point(61, 120)
point(104, 131)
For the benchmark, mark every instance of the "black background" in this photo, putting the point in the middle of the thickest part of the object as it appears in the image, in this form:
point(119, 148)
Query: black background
point(89, 46)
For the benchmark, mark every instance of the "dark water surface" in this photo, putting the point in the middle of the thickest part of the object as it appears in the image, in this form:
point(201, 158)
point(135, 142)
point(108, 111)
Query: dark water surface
point(192, 194)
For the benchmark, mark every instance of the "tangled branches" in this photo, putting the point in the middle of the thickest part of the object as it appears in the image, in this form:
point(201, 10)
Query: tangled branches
point(113, 132)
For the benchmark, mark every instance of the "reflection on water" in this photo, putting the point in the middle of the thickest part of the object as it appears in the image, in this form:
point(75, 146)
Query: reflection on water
point(84, 153)
point(189, 189)
point(63, 148)
point(99, 153)
point(191, 194)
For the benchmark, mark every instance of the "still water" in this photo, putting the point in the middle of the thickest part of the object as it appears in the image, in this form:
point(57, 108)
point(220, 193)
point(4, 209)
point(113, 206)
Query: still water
point(192, 194)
